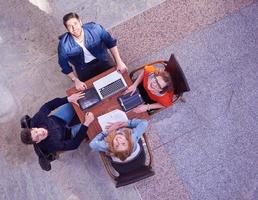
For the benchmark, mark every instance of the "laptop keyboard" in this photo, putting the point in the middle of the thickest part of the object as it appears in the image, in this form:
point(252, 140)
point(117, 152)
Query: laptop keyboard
point(112, 88)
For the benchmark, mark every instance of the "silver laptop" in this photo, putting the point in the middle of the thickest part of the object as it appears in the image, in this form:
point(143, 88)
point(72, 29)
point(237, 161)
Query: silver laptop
point(109, 84)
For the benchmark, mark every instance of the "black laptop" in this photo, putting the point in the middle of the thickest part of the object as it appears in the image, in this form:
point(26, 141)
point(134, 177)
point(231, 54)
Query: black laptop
point(129, 101)
point(90, 99)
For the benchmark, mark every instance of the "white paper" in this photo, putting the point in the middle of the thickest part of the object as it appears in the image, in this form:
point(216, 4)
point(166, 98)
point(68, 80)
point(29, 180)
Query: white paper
point(113, 116)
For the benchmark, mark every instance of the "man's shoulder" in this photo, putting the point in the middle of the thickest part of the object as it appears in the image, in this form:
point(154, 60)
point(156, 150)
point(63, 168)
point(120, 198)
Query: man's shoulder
point(64, 41)
point(48, 145)
point(38, 120)
point(89, 25)
point(64, 37)
point(92, 26)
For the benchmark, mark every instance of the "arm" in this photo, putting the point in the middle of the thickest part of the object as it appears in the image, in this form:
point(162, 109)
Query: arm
point(72, 76)
point(99, 143)
point(139, 127)
point(73, 143)
point(76, 141)
point(63, 61)
point(138, 124)
point(52, 105)
point(134, 86)
point(111, 44)
point(146, 107)
point(46, 109)
point(79, 85)
point(120, 65)
point(139, 79)
point(112, 126)
point(154, 106)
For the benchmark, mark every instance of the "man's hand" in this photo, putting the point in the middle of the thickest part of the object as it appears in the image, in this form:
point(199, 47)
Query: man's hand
point(120, 66)
point(75, 97)
point(79, 85)
point(89, 117)
point(131, 89)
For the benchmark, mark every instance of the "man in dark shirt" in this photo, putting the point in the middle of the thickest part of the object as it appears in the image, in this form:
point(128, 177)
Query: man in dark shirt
point(86, 47)
point(51, 132)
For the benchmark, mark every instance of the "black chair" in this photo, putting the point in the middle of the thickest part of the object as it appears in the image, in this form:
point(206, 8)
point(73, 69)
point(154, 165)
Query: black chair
point(136, 170)
point(177, 75)
point(44, 159)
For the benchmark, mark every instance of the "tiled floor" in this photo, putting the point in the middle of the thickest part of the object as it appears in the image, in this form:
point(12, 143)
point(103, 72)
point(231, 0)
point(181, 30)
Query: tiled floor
point(205, 148)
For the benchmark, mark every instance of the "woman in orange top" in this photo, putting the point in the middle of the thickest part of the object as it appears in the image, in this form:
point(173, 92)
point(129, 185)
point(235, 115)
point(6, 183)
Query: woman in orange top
point(158, 86)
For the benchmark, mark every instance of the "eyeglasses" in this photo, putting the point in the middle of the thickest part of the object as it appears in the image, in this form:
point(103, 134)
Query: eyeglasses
point(164, 89)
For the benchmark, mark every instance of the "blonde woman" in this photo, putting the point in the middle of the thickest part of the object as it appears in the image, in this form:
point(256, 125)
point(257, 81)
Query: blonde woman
point(120, 141)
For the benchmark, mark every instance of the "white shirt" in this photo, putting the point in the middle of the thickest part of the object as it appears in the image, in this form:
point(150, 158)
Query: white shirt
point(87, 55)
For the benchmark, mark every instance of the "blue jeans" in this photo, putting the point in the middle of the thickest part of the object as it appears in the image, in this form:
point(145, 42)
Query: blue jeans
point(66, 113)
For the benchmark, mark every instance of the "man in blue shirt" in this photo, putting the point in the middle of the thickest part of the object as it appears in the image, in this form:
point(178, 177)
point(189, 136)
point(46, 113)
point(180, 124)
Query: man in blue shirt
point(86, 46)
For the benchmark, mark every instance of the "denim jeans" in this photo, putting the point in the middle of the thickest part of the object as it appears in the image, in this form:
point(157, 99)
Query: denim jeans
point(66, 113)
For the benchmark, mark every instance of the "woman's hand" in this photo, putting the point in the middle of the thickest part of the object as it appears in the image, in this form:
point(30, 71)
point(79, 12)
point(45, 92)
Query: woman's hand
point(141, 108)
point(112, 126)
point(131, 89)
point(89, 117)
point(75, 97)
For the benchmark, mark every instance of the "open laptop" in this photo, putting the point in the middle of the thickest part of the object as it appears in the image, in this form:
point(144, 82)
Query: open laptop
point(109, 84)
point(90, 98)
point(103, 88)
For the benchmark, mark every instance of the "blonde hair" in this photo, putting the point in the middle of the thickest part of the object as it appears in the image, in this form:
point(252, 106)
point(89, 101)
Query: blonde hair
point(122, 155)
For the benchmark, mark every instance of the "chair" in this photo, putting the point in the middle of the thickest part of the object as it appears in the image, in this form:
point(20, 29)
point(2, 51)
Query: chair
point(138, 173)
point(44, 159)
point(176, 73)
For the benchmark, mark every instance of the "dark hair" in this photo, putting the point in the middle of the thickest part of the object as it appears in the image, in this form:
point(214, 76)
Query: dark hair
point(70, 16)
point(167, 78)
point(26, 136)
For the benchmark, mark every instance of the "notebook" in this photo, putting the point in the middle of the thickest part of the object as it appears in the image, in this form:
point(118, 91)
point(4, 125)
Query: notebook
point(109, 84)
point(90, 99)
point(113, 116)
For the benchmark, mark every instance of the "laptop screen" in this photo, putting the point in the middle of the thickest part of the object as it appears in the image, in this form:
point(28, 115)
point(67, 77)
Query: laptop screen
point(110, 84)
point(90, 99)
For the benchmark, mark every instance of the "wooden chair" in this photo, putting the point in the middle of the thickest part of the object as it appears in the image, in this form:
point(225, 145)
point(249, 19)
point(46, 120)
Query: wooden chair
point(176, 73)
point(137, 173)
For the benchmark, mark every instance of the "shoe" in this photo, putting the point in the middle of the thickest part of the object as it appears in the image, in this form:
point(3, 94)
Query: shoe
point(44, 164)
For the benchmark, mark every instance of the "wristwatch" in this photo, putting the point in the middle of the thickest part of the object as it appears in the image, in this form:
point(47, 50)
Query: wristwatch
point(74, 78)
point(148, 107)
